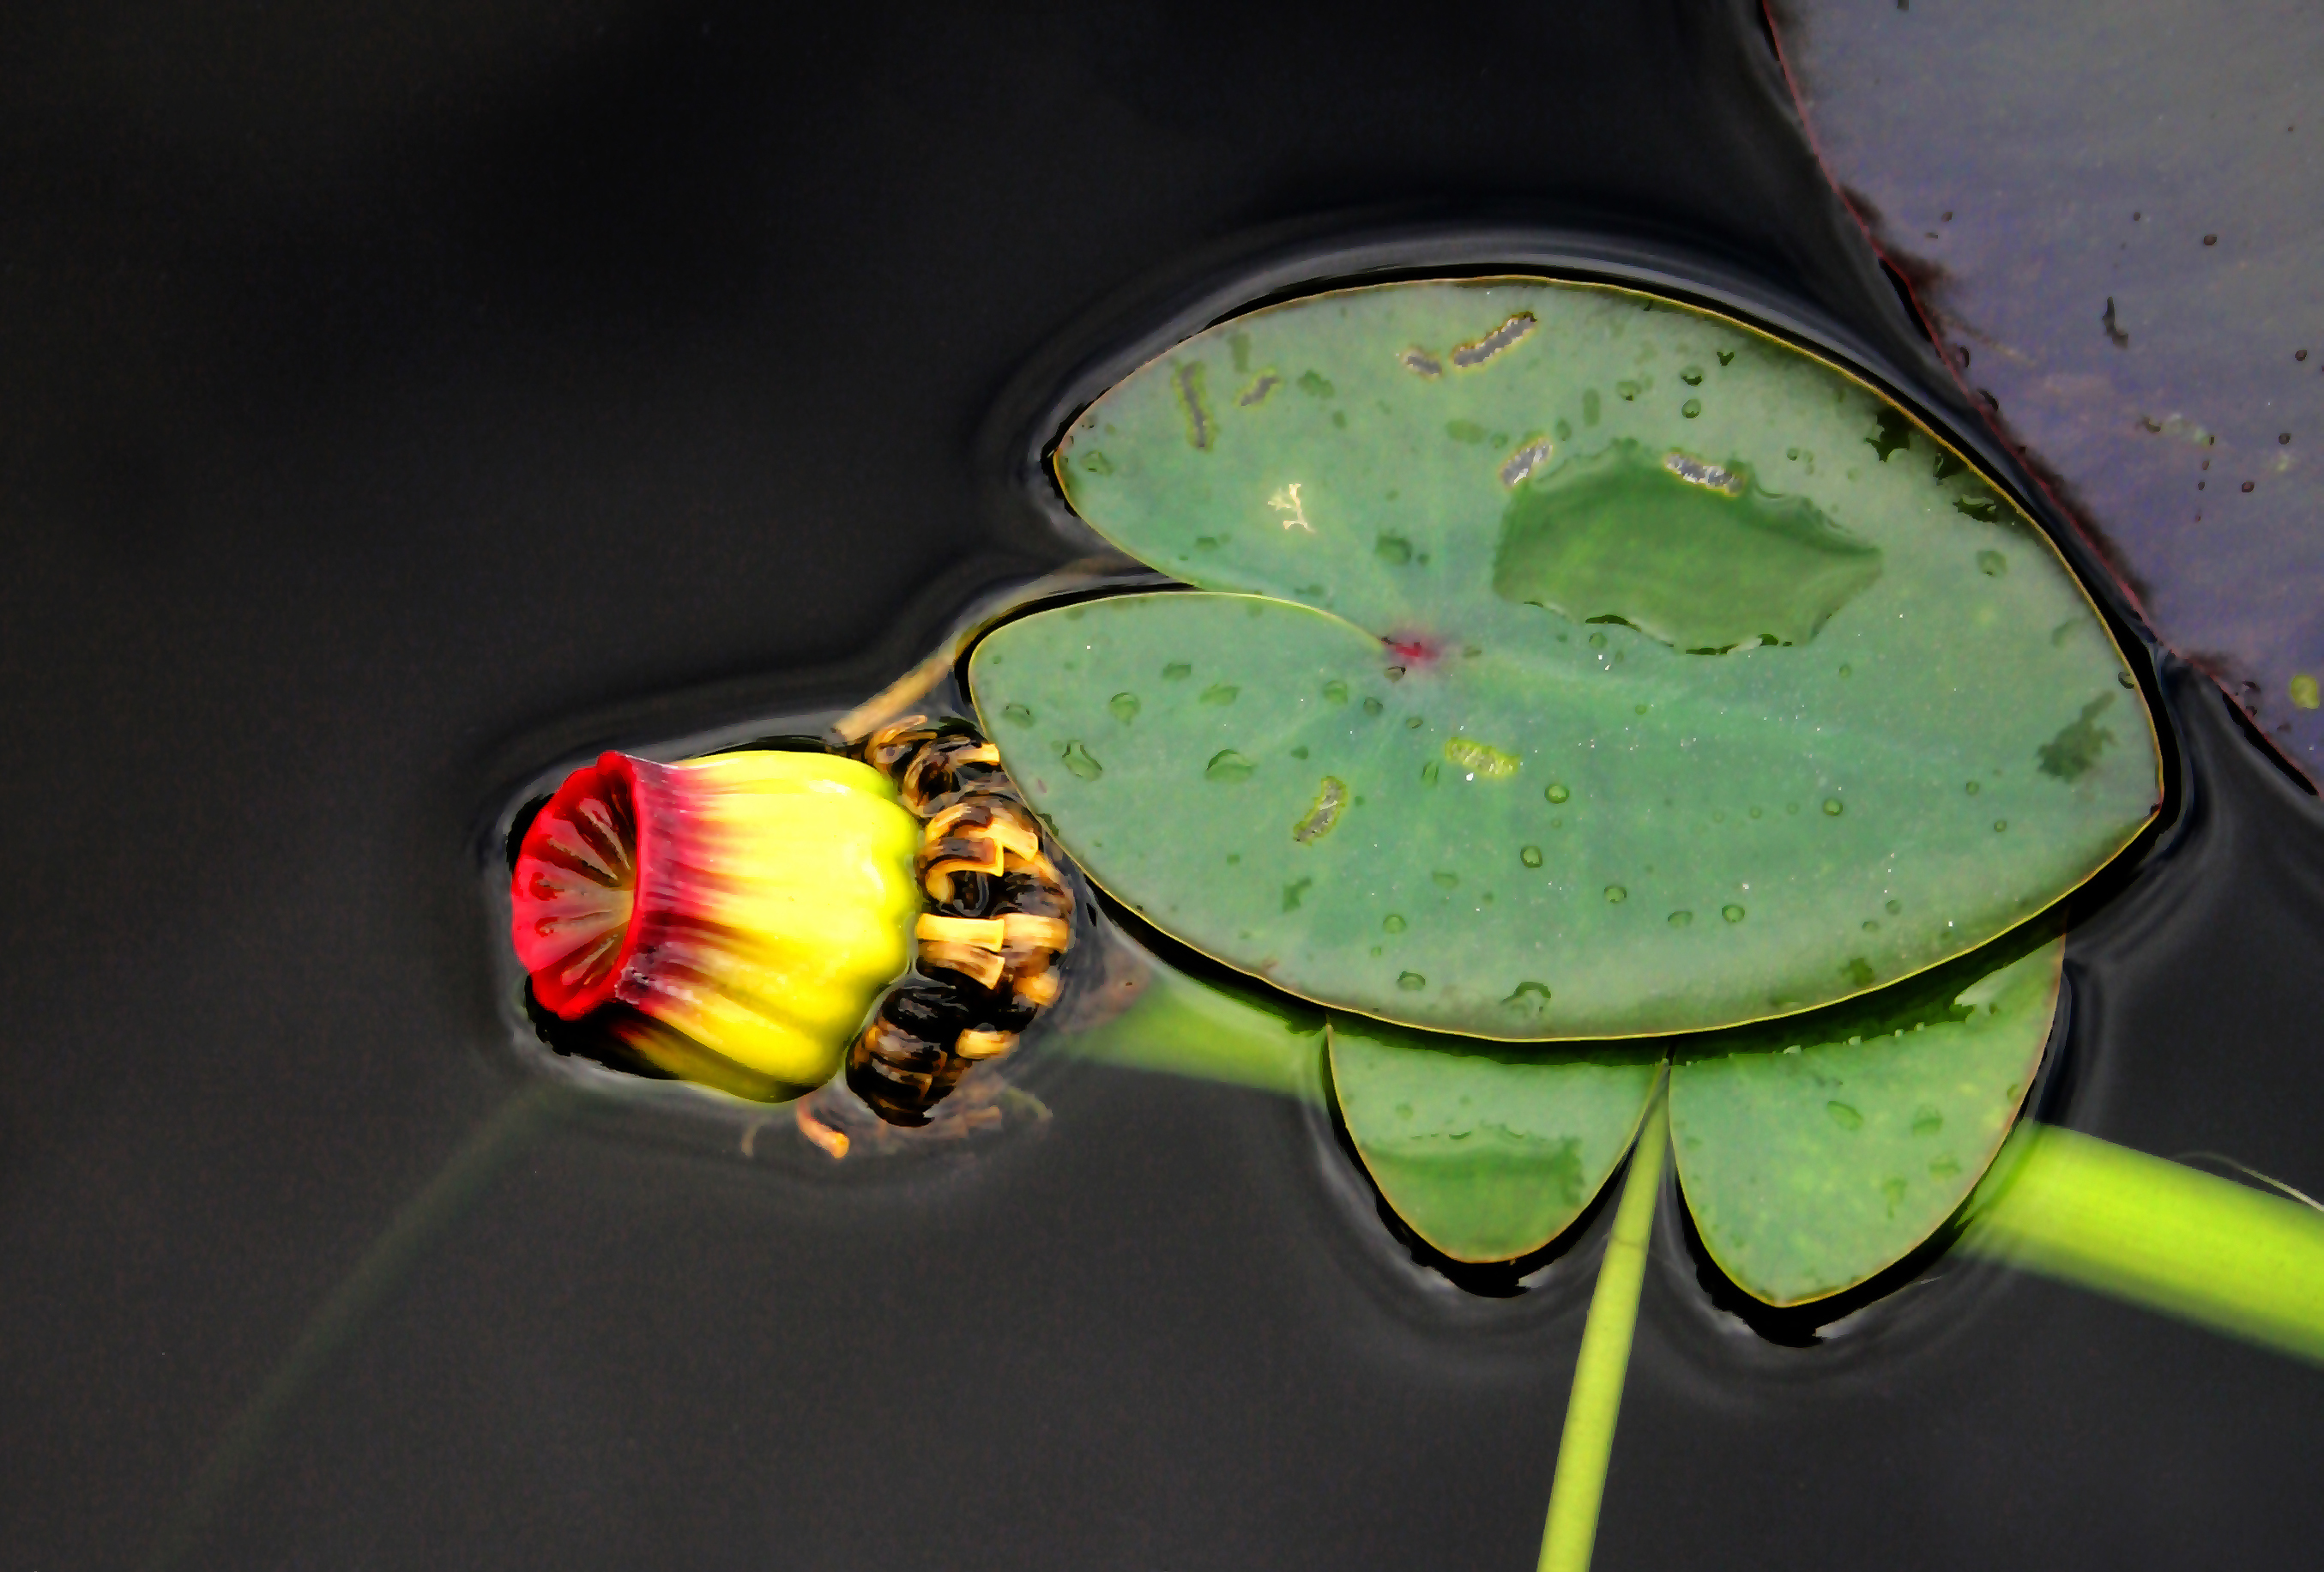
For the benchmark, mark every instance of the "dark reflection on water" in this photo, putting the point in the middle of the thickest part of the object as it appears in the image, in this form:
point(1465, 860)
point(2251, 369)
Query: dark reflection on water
point(338, 471)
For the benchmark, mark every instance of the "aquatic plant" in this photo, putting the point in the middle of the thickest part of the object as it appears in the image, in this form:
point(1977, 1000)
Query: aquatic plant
point(1614, 734)
point(1567, 665)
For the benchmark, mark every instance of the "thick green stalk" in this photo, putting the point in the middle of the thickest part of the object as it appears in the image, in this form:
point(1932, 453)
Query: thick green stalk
point(2158, 1233)
point(1596, 1401)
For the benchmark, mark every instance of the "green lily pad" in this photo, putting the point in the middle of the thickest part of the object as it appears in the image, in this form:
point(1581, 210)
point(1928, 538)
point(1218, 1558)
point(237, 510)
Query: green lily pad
point(1487, 1153)
point(1605, 668)
point(1816, 1153)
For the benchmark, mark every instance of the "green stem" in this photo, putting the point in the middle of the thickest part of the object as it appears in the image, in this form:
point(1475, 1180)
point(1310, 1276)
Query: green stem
point(2157, 1234)
point(480, 1159)
point(1596, 1401)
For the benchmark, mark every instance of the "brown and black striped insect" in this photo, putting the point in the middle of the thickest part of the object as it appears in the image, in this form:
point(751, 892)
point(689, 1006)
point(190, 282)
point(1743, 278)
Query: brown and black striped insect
point(998, 919)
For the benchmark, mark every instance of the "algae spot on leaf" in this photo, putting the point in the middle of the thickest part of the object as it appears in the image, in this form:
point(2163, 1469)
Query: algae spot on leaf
point(1480, 350)
point(1480, 760)
point(1526, 460)
point(1895, 433)
point(2069, 755)
point(1186, 376)
point(1324, 813)
point(1264, 384)
point(1622, 536)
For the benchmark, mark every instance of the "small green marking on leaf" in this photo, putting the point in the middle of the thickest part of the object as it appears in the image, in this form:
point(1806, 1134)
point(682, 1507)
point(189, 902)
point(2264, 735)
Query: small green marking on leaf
point(1186, 376)
point(1323, 812)
point(1895, 433)
point(2069, 755)
point(1481, 760)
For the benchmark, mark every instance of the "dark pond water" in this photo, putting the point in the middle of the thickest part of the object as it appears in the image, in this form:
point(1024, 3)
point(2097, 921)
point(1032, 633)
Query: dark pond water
point(403, 407)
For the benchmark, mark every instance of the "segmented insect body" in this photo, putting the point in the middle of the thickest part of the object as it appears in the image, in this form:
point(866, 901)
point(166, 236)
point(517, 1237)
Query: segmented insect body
point(999, 919)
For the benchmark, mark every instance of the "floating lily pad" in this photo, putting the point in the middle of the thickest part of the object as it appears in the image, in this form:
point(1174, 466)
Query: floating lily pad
point(1487, 1153)
point(1605, 668)
point(1816, 1153)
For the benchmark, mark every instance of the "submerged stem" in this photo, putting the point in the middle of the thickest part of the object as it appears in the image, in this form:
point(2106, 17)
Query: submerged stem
point(1596, 1401)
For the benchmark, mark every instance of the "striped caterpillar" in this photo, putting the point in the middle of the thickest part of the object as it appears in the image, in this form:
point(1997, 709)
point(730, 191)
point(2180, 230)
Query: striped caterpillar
point(998, 920)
